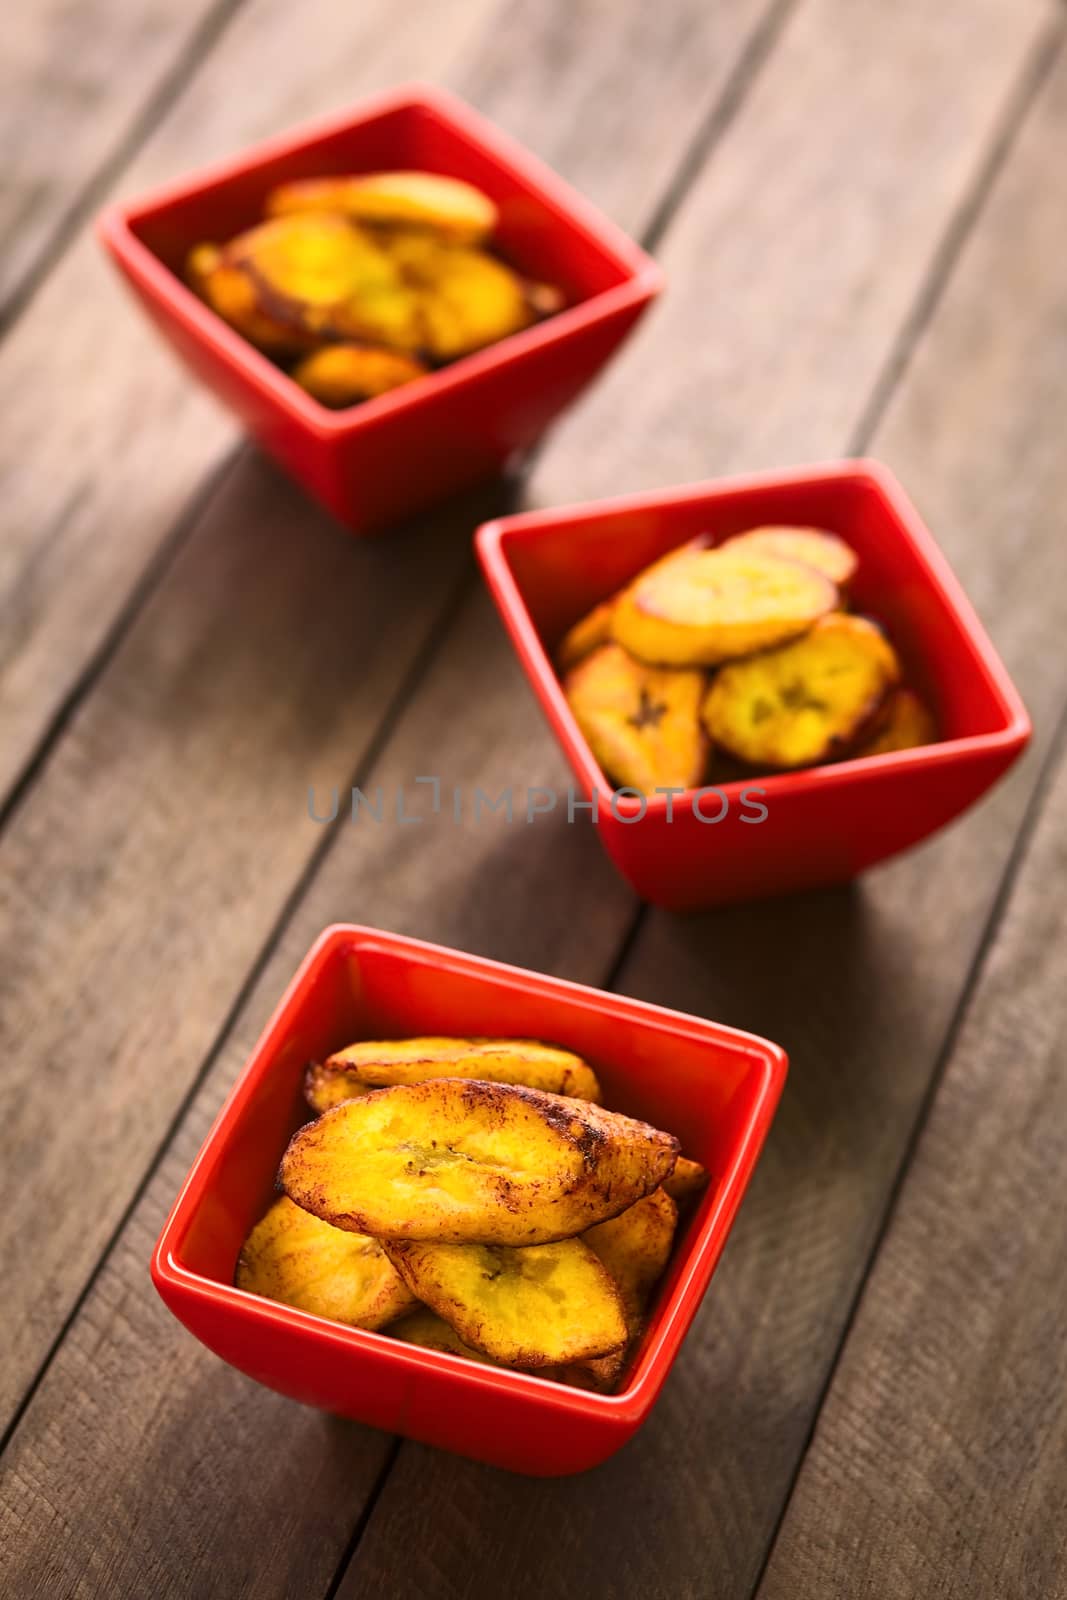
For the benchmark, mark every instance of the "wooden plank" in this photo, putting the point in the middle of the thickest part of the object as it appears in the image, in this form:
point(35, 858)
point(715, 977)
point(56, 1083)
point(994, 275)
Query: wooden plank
point(78, 86)
point(191, 798)
point(860, 985)
point(89, 495)
point(508, 890)
point(97, 472)
point(939, 1465)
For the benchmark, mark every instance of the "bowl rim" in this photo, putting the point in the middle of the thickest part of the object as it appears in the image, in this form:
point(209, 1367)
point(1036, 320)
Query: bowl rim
point(642, 278)
point(663, 1338)
point(493, 538)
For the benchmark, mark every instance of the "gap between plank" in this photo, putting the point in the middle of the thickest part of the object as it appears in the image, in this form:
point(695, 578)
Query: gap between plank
point(395, 709)
point(1042, 58)
point(693, 158)
point(927, 300)
point(746, 69)
point(190, 55)
point(1031, 816)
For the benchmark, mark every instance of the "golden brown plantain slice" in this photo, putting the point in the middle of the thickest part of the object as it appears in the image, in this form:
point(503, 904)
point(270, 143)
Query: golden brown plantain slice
point(587, 635)
point(688, 1178)
point(200, 263)
point(717, 604)
point(328, 279)
point(461, 1160)
point(341, 374)
point(813, 547)
point(379, 1063)
point(532, 1307)
point(635, 1247)
point(642, 723)
point(466, 299)
point(908, 723)
point(601, 1374)
point(427, 200)
point(293, 1257)
point(424, 1327)
point(595, 628)
point(232, 295)
point(807, 701)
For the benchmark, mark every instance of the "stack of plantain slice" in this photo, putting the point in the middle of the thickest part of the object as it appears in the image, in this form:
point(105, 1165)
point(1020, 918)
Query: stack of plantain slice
point(474, 1196)
point(745, 651)
point(362, 283)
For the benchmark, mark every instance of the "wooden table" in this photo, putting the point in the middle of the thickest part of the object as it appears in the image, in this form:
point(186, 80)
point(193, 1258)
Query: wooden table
point(862, 209)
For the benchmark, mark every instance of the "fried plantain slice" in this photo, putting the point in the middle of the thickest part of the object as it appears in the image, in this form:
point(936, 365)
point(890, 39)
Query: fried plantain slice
point(594, 629)
point(642, 723)
point(807, 701)
point(292, 1257)
point(717, 604)
point(466, 299)
point(587, 635)
point(461, 1160)
point(827, 552)
point(379, 1063)
point(232, 295)
point(326, 278)
point(445, 206)
point(342, 374)
point(424, 1327)
point(908, 723)
point(531, 1307)
point(635, 1247)
point(688, 1178)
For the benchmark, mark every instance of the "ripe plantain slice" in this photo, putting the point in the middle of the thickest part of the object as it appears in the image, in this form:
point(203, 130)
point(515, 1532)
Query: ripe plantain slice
point(379, 1063)
point(908, 723)
point(232, 295)
point(326, 278)
point(814, 547)
point(688, 1178)
point(807, 701)
point(594, 629)
point(293, 1257)
point(635, 1247)
point(461, 1160)
point(642, 723)
point(424, 1327)
point(427, 200)
point(532, 1307)
point(466, 299)
point(587, 635)
point(342, 374)
point(718, 604)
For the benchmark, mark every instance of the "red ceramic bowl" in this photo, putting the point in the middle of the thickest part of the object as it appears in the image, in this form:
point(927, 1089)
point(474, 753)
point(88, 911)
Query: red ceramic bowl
point(821, 825)
point(381, 460)
point(713, 1086)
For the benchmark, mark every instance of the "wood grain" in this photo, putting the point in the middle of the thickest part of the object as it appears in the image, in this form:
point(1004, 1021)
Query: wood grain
point(106, 443)
point(511, 892)
point(190, 794)
point(859, 985)
point(938, 1463)
point(89, 489)
point(77, 82)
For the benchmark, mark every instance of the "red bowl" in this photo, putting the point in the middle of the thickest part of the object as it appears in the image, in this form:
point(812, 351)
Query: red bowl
point(395, 455)
point(824, 824)
point(715, 1087)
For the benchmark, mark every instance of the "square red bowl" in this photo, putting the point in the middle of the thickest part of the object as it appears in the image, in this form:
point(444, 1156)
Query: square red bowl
point(715, 1087)
point(824, 824)
point(376, 462)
